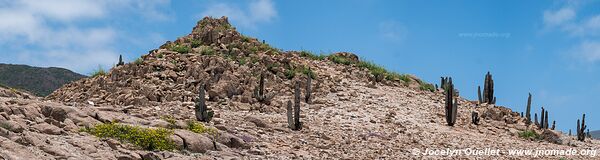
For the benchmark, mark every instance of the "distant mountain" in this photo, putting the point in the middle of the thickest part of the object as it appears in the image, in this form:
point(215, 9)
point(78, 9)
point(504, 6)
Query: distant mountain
point(595, 134)
point(37, 80)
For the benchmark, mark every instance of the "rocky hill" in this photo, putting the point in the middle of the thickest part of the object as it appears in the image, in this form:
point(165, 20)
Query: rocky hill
point(37, 80)
point(355, 109)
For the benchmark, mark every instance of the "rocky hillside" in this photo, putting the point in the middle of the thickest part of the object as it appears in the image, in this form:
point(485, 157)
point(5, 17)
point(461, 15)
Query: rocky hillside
point(356, 110)
point(37, 80)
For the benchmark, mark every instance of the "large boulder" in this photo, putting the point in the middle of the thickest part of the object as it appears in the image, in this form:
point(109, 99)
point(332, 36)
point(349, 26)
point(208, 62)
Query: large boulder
point(193, 142)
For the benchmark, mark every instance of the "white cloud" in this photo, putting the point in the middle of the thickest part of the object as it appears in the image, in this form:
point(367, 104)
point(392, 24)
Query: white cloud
point(392, 30)
point(558, 17)
point(258, 11)
point(588, 51)
point(49, 33)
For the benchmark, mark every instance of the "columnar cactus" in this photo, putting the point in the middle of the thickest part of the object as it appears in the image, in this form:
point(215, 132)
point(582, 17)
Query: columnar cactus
point(536, 119)
point(290, 116)
point(120, 61)
point(553, 125)
point(260, 93)
point(479, 94)
point(542, 121)
point(444, 83)
point(488, 90)
point(475, 118)
point(297, 123)
point(308, 89)
point(546, 120)
point(451, 104)
point(570, 132)
point(203, 114)
point(528, 111)
point(581, 129)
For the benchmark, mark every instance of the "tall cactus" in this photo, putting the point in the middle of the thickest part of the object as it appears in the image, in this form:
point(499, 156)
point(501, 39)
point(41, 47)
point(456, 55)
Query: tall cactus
point(553, 125)
point(260, 93)
point(542, 121)
point(528, 111)
point(120, 61)
point(451, 104)
point(488, 90)
point(581, 129)
point(479, 94)
point(201, 111)
point(290, 116)
point(297, 123)
point(308, 90)
point(546, 120)
point(536, 119)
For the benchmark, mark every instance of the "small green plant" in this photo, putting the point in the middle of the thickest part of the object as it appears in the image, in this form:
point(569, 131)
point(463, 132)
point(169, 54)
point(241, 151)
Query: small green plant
point(145, 138)
point(339, 60)
point(312, 56)
point(427, 87)
point(529, 134)
point(160, 55)
point(289, 73)
point(180, 48)
point(206, 50)
point(195, 43)
point(99, 72)
point(246, 38)
point(138, 61)
point(5, 125)
point(242, 60)
point(171, 120)
point(307, 71)
point(198, 127)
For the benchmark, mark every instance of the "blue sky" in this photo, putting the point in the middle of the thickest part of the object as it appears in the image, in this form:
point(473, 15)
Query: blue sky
point(548, 48)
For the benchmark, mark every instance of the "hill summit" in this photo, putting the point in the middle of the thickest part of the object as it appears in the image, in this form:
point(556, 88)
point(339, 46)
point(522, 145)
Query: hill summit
point(217, 94)
point(228, 63)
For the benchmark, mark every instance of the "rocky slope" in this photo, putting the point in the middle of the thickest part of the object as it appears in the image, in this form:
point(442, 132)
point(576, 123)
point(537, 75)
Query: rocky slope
point(37, 80)
point(355, 113)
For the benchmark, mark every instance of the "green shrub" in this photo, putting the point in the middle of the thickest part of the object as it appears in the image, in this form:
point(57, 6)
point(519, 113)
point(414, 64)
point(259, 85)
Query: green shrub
point(195, 43)
point(198, 127)
point(99, 72)
point(171, 120)
point(180, 48)
point(160, 55)
point(529, 134)
point(145, 138)
point(427, 87)
point(339, 60)
point(307, 71)
point(207, 50)
point(242, 60)
point(138, 61)
point(289, 74)
point(312, 56)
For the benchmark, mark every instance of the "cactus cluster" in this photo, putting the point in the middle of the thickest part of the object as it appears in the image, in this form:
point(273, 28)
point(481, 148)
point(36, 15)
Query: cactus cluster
point(260, 92)
point(581, 129)
point(203, 114)
point(451, 103)
point(120, 61)
point(488, 90)
point(293, 113)
point(544, 119)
